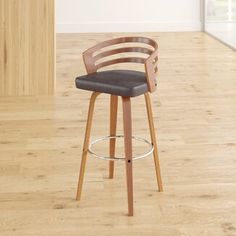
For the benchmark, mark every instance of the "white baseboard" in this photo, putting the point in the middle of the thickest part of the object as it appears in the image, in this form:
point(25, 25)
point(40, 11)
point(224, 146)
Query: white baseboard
point(127, 27)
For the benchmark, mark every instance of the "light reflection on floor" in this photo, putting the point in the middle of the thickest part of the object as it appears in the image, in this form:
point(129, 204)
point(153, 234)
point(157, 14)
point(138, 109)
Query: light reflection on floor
point(225, 31)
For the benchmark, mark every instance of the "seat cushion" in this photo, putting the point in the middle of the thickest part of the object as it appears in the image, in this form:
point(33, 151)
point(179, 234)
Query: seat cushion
point(127, 83)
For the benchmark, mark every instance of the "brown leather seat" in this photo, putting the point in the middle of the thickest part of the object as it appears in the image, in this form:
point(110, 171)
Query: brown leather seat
point(127, 83)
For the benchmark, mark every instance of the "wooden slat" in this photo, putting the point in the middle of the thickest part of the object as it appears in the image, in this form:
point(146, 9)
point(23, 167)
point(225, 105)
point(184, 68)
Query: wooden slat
point(121, 40)
point(91, 59)
point(122, 50)
point(120, 60)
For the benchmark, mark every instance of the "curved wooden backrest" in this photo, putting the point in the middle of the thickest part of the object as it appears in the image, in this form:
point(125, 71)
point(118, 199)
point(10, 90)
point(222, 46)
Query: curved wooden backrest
point(92, 56)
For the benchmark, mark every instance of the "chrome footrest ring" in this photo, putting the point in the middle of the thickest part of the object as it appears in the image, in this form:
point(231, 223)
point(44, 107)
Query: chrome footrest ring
point(90, 150)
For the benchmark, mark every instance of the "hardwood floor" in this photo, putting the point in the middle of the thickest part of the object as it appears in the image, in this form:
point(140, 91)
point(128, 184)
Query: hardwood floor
point(194, 109)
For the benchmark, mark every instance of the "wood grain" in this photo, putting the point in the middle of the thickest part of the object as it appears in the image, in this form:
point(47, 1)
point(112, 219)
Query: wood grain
point(86, 144)
point(113, 125)
point(92, 55)
point(27, 37)
point(128, 147)
point(194, 111)
point(154, 140)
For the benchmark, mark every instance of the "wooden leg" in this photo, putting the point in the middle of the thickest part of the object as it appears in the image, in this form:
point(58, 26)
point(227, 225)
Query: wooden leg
point(128, 150)
point(154, 141)
point(86, 143)
point(113, 124)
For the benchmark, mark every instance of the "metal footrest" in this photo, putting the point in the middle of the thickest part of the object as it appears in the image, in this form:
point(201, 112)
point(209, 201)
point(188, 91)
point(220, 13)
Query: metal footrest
point(90, 150)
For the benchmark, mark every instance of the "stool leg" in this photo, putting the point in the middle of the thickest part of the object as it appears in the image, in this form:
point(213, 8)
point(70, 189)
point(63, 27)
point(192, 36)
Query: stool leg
point(128, 150)
point(113, 124)
point(154, 141)
point(86, 143)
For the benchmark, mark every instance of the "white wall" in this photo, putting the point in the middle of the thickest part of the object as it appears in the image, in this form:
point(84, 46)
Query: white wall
point(127, 15)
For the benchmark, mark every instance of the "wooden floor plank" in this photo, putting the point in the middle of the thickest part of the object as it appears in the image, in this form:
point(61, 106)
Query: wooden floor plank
point(195, 115)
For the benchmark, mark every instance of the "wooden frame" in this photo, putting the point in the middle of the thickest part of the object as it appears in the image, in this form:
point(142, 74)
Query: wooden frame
point(127, 123)
point(91, 59)
point(86, 143)
point(154, 141)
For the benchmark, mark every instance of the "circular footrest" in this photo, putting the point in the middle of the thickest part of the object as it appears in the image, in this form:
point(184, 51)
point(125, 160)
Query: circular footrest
point(90, 150)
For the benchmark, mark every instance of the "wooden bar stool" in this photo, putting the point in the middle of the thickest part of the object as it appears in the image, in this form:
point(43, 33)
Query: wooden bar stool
point(124, 83)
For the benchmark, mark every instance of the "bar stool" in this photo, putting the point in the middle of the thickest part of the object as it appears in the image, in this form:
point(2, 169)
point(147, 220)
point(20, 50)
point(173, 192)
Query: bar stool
point(127, 84)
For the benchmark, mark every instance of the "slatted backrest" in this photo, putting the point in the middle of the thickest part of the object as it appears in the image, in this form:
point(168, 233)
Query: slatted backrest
point(94, 59)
